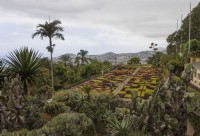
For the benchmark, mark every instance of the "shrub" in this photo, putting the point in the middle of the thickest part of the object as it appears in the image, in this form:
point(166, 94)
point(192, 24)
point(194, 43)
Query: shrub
point(22, 132)
point(68, 124)
point(32, 117)
point(54, 108)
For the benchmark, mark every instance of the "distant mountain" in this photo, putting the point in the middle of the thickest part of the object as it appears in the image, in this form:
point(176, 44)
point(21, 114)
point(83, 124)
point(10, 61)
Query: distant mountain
point(121, 57)
point(124, 57)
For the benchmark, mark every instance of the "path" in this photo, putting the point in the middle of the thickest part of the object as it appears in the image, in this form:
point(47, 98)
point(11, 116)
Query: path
point(120, 87)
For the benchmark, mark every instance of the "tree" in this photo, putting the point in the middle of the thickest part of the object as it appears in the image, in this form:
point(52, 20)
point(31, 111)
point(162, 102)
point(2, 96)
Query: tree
point(26, 63)
point(155, 58)
point(50, 30)
point(81, 57)
point(66, 60)
point(194, 47)
point(134, 61)
point(181, 36)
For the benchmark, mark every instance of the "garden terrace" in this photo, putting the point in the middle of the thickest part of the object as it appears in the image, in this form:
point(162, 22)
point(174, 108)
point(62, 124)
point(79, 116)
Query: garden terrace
point(143, 82)
point(108, 82)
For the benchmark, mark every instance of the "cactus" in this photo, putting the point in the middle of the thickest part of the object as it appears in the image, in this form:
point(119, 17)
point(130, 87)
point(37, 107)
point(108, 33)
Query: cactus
point(167, 111)
point(11, 105)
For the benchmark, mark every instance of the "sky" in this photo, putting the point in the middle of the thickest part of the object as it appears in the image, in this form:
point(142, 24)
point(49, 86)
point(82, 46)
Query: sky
point(98, 26)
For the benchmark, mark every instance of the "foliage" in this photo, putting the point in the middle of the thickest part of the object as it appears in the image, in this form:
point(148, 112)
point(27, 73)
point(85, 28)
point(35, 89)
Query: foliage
point(81, 57)
point(156, 115)
point(50, 30)
point(183, 33)
point(155, 59)
point(194, 47)
point(66, 60)
point(61, 74)
point(11, 105)
point(54, 108)
point(2, 72)
point(65, 77)
point(67, 124)
point(26, 63)
point(31, 112)
point(123, 127)
point(177, 65)
point(194, 117)
point(134, 61)
point(99, 105)
point(22, 132)
point(87, 90)
point(71, 98)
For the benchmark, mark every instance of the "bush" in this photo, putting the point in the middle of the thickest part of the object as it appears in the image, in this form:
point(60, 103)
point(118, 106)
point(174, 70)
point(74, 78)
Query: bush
point(32, 117)
point(22, 132)
point(54, 108)
point(68, 124)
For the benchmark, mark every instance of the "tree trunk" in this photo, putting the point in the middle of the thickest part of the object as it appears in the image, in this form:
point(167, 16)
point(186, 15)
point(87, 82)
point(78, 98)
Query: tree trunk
point(52, 79)
point(26, 92)
point(94, 129)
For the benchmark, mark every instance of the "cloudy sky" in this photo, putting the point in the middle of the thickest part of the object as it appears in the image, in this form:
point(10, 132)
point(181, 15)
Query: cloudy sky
point(98, 26)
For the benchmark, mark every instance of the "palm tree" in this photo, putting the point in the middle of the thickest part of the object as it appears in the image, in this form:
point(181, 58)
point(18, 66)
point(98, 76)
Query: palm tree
point(50, 30)
point(66, 59)
point(26, 63)
point(81, 57)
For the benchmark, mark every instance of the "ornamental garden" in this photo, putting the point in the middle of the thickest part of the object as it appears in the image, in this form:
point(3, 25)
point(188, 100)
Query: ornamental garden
point(143, 81)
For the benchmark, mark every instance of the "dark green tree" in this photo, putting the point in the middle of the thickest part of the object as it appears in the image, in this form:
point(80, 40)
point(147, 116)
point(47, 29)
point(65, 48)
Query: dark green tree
point(155, 59)
point(182, 35)
point(194, 46)
point(134, 61)
point(66, 60)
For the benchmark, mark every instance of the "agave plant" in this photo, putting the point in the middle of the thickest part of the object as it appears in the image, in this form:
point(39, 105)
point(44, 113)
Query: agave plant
point(121, 127)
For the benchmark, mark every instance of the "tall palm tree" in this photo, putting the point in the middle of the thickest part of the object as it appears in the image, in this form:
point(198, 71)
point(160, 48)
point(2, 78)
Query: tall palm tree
point(66, 59)
point(50, 30)
point(81, 57)
point(26, 63)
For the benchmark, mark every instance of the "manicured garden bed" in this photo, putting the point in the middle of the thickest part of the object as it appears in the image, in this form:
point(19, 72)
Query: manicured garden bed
point(108, 82)
point(143, 82)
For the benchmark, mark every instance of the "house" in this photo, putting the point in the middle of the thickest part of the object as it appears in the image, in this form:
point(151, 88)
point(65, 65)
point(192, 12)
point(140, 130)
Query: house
point(196, 75)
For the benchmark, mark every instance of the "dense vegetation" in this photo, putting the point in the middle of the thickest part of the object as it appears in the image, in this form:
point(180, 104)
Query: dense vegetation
point(97, 98)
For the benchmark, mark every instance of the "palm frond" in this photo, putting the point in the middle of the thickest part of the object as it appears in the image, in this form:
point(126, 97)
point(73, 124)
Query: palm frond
point(24, 62)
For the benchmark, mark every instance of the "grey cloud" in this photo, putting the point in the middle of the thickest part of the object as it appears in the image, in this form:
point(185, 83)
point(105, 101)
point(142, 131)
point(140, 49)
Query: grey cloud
point(152, 19)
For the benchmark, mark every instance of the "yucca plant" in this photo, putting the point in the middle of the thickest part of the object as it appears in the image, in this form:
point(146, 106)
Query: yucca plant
point(27, 63)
